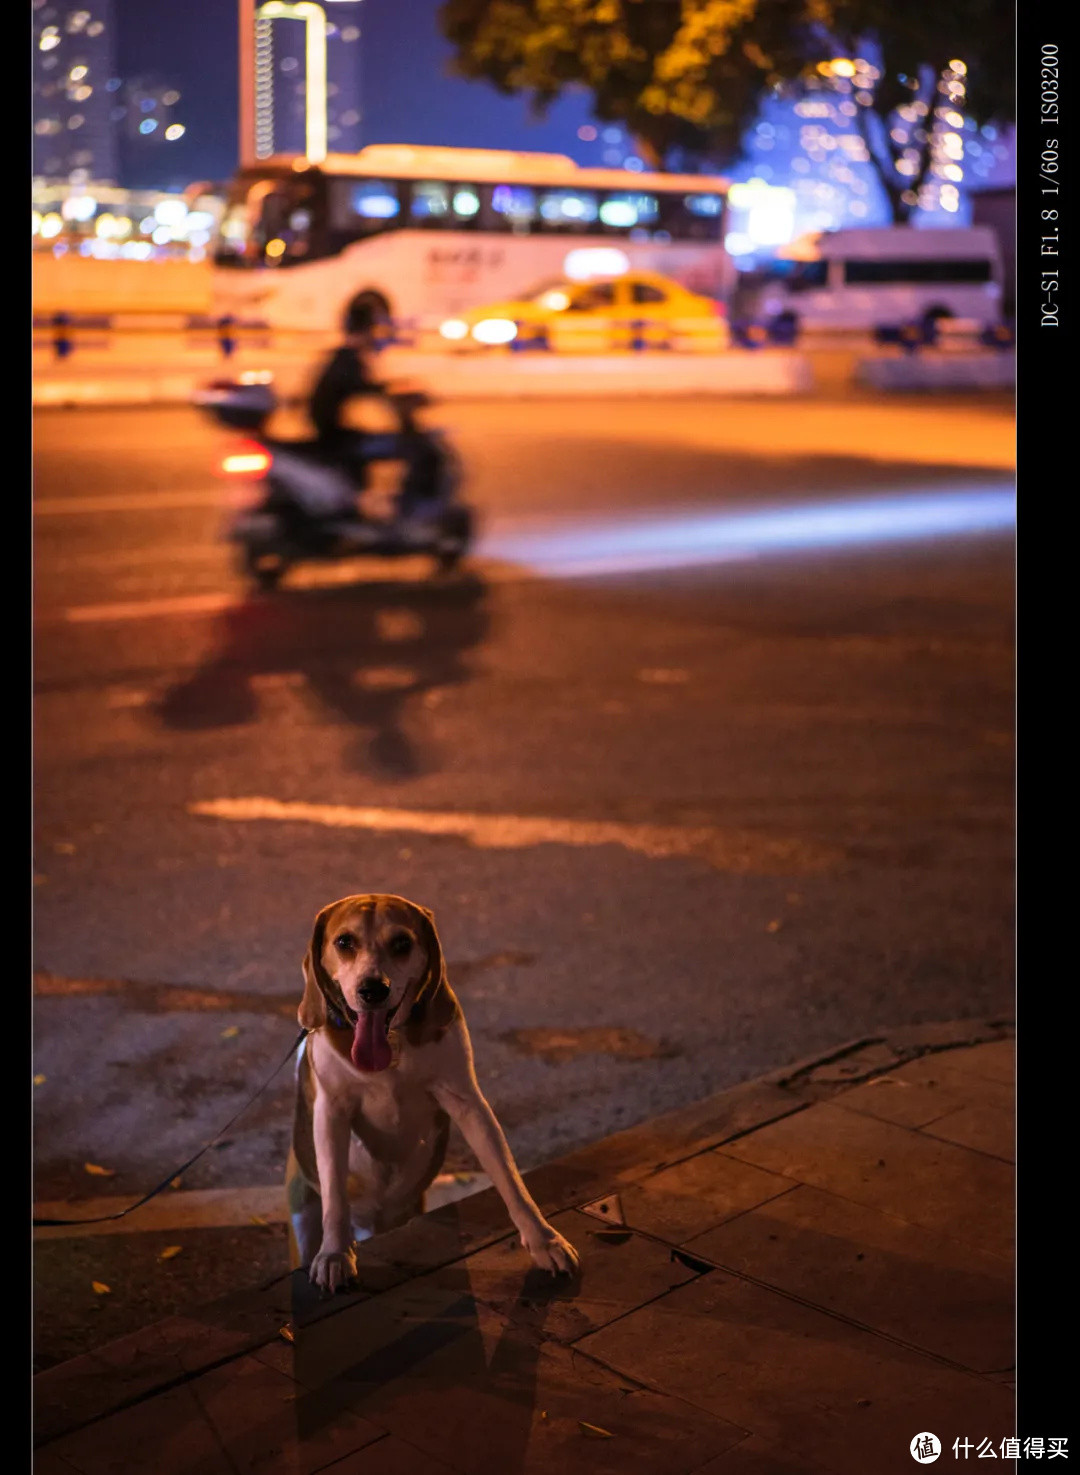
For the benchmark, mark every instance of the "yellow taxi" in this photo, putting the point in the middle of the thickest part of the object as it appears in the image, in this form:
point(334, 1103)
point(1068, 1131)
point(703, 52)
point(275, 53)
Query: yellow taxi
point(635, 310)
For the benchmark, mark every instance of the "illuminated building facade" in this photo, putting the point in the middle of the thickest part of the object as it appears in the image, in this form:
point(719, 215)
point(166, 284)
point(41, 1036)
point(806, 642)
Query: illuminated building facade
point(805, 165)
point(307, 77)
point(74, 83)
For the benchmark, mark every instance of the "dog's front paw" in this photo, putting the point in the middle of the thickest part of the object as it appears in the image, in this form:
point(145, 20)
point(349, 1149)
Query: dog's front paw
point(333, 1270)
point(549, 1250)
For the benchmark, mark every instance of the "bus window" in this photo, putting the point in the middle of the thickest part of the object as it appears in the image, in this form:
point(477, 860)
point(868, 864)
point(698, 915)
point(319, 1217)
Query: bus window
point(944, 270)
point(627, 211)
point(361, 207)
point(430, 203)
point(465, 203)
point(564, 209)
point(692, 217)
point(513, 206)
point(646, 292)
point(281, 212)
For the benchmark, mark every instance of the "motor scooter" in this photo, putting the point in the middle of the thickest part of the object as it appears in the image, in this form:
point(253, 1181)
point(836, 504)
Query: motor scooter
point(297, 504)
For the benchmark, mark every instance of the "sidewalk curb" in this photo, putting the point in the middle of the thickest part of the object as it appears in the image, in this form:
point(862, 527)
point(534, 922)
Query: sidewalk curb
point(521, 376)
point(174, 1351)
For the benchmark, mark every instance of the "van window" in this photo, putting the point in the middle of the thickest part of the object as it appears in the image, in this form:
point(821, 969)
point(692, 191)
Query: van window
point(943, 270)
point(798, 276)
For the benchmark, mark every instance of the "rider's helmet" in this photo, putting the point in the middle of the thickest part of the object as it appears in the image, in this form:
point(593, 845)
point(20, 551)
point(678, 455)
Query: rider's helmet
point(365, 313)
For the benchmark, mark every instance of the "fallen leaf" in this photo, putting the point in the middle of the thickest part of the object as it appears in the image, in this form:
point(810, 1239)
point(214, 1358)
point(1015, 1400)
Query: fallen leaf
point(773, 926)
point(64, 847)
point(96, 1171)
point(543, 1413)
point(257, 1219)
point(593, 1431)
point(286, 1333)
point(230, 1033)
point(39, 1080)
point(176, 1182)
point(100, 1288)
point(170, 1252)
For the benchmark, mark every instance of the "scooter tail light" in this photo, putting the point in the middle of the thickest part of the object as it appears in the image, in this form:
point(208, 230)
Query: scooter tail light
point(248, 460)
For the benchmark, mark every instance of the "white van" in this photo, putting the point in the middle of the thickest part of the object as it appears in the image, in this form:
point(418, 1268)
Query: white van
point(877, 277)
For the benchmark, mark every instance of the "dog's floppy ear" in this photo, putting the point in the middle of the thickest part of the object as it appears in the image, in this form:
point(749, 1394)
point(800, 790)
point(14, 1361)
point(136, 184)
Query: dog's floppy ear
point(435, 1007)
point(312, 1011)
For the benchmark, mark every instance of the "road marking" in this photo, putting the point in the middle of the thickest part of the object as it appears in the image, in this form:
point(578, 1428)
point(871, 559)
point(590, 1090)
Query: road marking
point(139, 609)
point(740, 851)
point(213, 1208)
point(129, 502)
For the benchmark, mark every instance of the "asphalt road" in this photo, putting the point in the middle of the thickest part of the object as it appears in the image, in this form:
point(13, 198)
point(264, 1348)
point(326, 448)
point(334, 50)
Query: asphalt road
point(769, 739)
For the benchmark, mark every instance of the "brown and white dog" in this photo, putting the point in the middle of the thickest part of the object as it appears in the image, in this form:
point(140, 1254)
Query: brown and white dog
point(387, 1067)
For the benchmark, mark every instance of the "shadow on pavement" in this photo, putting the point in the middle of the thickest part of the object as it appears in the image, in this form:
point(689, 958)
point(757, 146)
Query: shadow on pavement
point(427, 1362)
point(366, 652)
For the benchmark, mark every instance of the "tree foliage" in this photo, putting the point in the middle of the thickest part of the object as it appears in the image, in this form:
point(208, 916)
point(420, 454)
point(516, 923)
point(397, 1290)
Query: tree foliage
point(679, 76)
point(688, 75)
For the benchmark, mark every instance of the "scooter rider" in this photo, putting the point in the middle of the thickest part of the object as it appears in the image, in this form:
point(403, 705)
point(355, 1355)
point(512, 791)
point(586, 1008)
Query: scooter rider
point(347, 375)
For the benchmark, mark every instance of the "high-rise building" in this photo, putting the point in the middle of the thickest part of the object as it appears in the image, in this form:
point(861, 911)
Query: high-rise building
point(307, 77)
point(74, 65)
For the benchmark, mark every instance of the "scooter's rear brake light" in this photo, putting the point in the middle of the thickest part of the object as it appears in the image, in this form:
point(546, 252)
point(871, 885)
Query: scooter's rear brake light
point(247, 459)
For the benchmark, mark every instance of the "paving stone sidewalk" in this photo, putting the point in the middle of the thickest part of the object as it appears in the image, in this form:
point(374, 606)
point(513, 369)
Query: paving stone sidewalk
point(799, 1275)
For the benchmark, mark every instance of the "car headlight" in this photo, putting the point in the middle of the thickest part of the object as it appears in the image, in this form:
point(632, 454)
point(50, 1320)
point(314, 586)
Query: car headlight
point(454, 329)
point(494, 330)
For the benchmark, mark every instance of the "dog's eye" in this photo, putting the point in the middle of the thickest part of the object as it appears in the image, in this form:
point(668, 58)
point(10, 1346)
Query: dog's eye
point(400, 944)
point(346, 943)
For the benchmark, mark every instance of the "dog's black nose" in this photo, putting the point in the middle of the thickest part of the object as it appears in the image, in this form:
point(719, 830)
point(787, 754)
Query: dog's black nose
point(374, 989)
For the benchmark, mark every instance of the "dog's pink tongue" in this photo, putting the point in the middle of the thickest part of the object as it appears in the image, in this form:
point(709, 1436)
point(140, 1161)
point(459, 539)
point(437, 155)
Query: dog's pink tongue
point(370, 1046)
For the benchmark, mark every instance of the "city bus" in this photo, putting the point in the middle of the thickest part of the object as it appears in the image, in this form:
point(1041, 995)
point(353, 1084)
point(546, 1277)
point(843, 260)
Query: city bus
point(436, 231)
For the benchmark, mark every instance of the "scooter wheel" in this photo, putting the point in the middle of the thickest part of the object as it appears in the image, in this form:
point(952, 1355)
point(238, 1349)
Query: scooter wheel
point(265, 570)
point(454, 539)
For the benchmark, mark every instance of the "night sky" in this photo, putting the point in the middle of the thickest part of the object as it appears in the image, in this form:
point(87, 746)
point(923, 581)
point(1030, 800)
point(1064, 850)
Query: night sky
point(407, 96)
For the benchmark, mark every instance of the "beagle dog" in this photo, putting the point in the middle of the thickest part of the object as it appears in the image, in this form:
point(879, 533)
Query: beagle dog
point(386, 1067)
